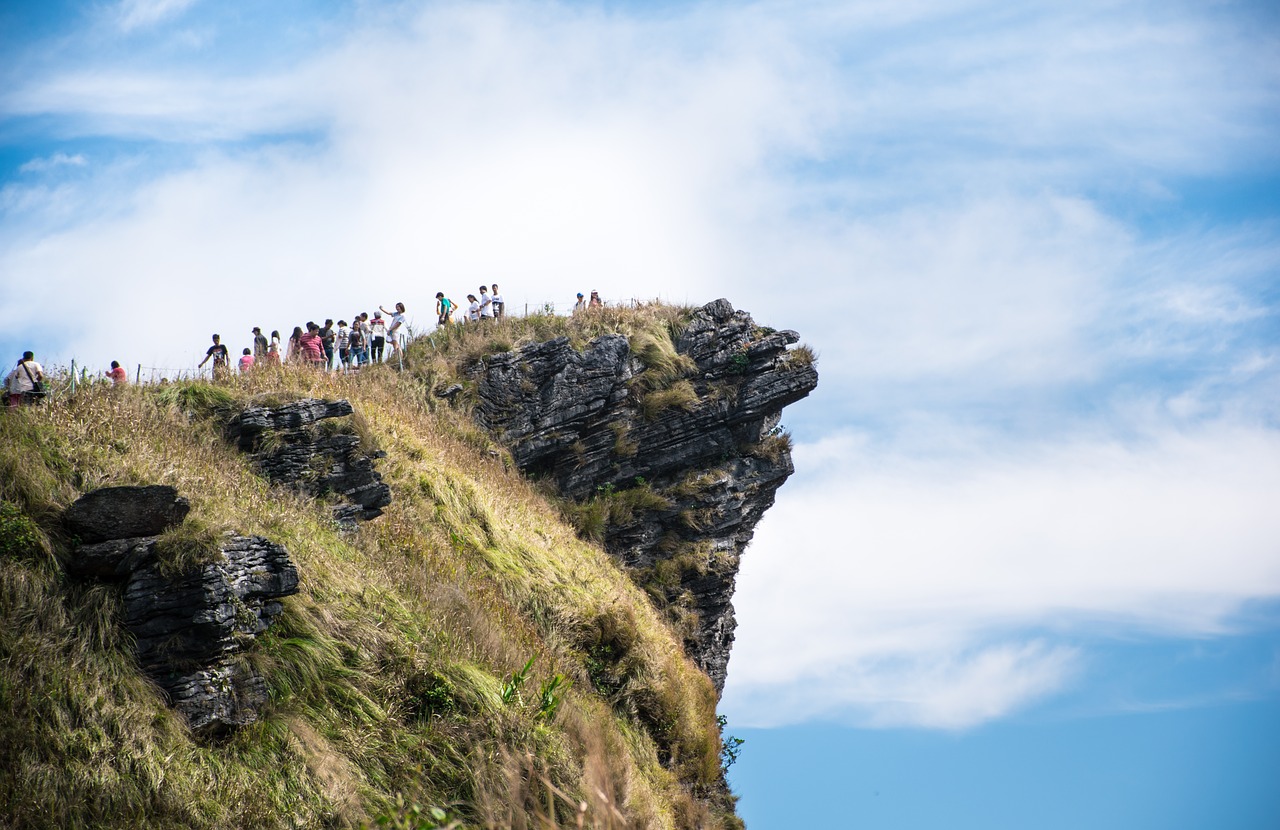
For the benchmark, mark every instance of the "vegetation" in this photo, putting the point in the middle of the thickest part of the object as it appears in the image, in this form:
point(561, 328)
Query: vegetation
point(388, 673)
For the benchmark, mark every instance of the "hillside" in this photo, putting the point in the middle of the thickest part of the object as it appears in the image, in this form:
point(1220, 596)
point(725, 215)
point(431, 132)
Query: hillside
point(471, 648)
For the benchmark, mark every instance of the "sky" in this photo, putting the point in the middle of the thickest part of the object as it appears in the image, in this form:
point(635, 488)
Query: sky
point(1027, 573)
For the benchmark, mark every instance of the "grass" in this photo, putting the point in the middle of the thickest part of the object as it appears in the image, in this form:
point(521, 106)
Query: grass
point(385, 672)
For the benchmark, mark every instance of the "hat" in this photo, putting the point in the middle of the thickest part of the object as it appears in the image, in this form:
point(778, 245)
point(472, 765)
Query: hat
point(257, 330)
point(579, 295)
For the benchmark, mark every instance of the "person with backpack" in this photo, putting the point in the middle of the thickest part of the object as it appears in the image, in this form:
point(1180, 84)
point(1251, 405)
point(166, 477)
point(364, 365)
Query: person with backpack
point(444, 309)
point(25, 383)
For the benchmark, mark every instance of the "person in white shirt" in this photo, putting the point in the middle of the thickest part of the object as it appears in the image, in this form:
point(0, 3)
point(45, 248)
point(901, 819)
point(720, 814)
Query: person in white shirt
point(486, 304)
point(378, 335)
point(473, 311)
point(397, 326)
point(24, 380)
point(580, 305)
point(499, 308)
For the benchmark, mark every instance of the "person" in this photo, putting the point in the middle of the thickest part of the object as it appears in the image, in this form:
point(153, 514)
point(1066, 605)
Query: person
point(342, 338)
point(119, 377)
point(259, 344)
point(367, 354)
point(486, 304)
point(397, 327)
point(499, 307)
point(580, 305)
point(378, 336)
point(326, 337)
point(356, 343)
point(595, 300)
point(444, 308)
point(273, 349)
point(311, 346)
point(25, 383)
point(220, 356)
point(295, 347)
point(473, 311)
point(246, 362)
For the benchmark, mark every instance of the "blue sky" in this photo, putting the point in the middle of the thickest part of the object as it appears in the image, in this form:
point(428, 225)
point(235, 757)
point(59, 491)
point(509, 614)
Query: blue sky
point(1032, 535)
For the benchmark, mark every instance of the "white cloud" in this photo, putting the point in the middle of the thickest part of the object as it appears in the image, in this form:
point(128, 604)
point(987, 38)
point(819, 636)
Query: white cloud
point(41, 165)
point(883, 576)
point(135, 14)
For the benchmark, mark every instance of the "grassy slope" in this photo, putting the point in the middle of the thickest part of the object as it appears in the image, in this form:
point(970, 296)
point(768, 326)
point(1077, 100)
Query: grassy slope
point(387, 670)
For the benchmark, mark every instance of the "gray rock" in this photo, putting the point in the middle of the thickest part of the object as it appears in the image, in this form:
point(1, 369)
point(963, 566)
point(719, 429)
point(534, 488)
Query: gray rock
point(125, 512)
point(575, 417)
point(289, 449)
point(189, 628)
point(115, 559)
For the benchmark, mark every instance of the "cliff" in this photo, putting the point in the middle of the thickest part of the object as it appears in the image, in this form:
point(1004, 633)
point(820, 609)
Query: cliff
point(674, 449)
point(303, 600)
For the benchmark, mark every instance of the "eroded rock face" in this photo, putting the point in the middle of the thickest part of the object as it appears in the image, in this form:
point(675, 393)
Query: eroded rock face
point(709, 464)
point(122, 512)
point(290, 447)
point(189, 629)
point(192, 628)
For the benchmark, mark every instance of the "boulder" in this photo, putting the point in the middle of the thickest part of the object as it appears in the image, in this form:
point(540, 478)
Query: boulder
point(125, 512)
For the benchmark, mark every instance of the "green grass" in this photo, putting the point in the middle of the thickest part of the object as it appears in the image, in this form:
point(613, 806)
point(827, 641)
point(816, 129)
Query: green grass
point(385, 672)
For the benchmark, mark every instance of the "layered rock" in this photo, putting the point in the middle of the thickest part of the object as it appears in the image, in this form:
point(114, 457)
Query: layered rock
point(192, 625)
point(684, 476)
point(291, 447)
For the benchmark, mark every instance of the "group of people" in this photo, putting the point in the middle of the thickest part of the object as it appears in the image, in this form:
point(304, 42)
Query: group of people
point(485, 307)
point(341, 346)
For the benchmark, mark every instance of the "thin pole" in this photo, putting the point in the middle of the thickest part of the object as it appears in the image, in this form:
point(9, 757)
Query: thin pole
point(137, 378)
point(73, 377)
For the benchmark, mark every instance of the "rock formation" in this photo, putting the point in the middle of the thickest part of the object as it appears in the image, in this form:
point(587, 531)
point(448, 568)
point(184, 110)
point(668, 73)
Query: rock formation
point(678, 466)
point(292, 447)
point(190, 625)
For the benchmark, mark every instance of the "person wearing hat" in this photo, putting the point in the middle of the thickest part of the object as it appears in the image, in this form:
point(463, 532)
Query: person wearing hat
point(378, 336)
point(595, 300)
point(580, 305)
point(259, 343)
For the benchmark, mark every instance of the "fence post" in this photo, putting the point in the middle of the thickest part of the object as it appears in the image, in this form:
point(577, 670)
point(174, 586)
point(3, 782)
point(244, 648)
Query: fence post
point(137, 377)
point(73, 377)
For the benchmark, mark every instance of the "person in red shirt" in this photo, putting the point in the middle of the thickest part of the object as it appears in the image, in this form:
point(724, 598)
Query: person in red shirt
point(118, 375)
point(311, 345)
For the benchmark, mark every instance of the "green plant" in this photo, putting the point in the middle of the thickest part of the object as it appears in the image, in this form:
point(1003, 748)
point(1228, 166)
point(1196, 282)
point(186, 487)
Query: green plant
point(511, 689)
point(19, 536)
point(730, 746)
point(414, 817)
point(551, 695)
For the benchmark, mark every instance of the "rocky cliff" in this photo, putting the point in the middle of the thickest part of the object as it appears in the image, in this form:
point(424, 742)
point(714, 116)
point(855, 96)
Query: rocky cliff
point(669, 448)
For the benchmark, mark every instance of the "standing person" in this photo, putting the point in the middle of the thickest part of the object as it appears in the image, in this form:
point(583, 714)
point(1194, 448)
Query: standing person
point(378, 335)
point(259, 344)
point(486, 304)
point(326, 337)
point(355, 343)
point(595, 300)
point(397, 327)
point(580, 305)
point(273, 349)
point(119, 377)
point(221, 359)
point(311, 346)
point(246, 362)
point(473, 311)
point(368, 336)
point(26, 382)
point(295, 347)
point(444, 308)
point(342, 338)
point(499, 307)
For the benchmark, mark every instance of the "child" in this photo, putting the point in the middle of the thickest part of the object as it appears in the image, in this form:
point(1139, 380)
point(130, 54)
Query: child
point(246, 362)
